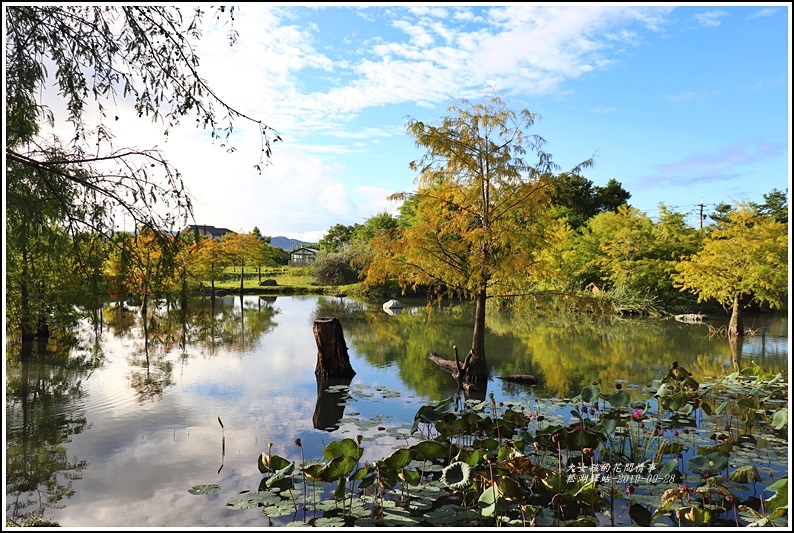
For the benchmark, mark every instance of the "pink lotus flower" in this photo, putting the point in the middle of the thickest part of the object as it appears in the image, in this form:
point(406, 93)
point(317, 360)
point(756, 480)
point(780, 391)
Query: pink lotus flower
point(637, 414)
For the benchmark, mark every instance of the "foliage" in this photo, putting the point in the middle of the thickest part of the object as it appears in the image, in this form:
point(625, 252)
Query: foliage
point(336, 268)
point(478, 208)
point(337, 236)
point(775, 205)
point(208, 260)
point(243, 249)
point(94, 56)
point(489, 464)
point(575, 198)
point(744, 258)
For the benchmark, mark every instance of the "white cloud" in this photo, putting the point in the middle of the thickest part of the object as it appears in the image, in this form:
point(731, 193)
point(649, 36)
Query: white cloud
point(710, 19)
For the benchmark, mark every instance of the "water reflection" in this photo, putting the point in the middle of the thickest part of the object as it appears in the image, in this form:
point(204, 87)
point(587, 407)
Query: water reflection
point(102, 432)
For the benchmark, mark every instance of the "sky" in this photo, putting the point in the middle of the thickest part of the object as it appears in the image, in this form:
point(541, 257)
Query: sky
point(684, 105)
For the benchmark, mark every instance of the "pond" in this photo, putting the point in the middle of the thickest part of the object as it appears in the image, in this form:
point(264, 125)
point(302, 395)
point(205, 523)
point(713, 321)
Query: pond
point(115, 430)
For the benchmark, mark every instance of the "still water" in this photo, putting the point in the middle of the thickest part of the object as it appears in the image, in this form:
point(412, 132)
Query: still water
point(113, 431)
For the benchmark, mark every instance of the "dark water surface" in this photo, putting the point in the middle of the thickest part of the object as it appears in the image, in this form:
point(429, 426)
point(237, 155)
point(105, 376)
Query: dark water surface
point(114, 431)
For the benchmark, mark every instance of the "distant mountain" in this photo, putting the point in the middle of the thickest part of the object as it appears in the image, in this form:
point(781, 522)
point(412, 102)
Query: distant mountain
point(285, 243)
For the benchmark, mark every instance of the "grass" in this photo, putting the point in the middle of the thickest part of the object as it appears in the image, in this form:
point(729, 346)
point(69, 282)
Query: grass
point(289, 280)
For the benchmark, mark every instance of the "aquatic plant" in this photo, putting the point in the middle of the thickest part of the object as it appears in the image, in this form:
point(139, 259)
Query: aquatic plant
point(676, 452)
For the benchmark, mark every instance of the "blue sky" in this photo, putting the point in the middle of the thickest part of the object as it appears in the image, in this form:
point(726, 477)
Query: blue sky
point(681, 104)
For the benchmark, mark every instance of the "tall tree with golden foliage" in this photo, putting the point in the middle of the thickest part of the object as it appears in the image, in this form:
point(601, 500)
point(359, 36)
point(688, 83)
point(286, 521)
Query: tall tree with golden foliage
point(480, 210)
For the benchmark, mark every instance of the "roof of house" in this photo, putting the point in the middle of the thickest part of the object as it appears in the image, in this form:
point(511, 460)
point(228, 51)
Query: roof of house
point(305, 249)
point(212, 230)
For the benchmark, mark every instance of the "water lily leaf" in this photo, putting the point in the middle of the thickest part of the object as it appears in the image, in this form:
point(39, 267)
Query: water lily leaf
point(780, 418)
point(271, 463)
point(456, 476)
point(745, 474)
point(338, 467)
point(254, 499)
point(398, 459)
point(397, 516)
point(668, 468)
point(606, 426)
point(618, 399)
point(411, 477)
point(284, 508)
point(342, 448)
point(590, 393)
point(314, 471)
point(723, 447)
point(780, 499)
point(471, 457)
point(204, 489)
point(711, 463)
point(488, 501)
point(509, 488)
point(449, 514)
point(428, 450)
point(280, 474)
point(335, 521)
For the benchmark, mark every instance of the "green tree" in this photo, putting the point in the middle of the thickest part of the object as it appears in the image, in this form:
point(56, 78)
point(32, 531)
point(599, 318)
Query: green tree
point(577, 200)
point(627, 251)
point(477, 206)
point(744, 259)
point(775, 205)
point(367, 231)
point(337, 236)
point(96, 56)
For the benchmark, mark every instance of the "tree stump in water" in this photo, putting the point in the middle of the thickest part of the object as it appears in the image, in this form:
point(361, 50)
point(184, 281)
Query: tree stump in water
point(332, 357)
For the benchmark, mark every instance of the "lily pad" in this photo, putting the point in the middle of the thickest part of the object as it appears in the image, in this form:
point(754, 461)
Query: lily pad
point(204, 489)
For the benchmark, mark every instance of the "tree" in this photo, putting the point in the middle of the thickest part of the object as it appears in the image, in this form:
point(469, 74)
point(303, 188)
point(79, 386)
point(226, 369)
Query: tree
point(577, 200)
point(210, 261)
point(243, 249)
point(477, 206)
point(96, 56)
point(775, 205)
point(336, 236)
point(367, 231)
point(743, 259)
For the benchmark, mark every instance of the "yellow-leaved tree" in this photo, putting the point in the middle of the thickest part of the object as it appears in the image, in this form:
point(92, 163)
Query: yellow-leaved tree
point(743, 259)
point(478, 213)
point(242, 249)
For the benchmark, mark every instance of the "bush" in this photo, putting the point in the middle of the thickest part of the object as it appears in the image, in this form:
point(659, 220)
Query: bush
point(335, 268)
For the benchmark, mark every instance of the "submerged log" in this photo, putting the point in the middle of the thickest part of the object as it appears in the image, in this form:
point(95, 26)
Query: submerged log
point(458, 371)
point(445, 364)
point(527, 379)
point(332, 358)
point(692, 318)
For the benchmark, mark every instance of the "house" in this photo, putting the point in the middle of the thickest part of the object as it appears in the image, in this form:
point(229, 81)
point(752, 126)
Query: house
point(206, 231)
point(303, 255)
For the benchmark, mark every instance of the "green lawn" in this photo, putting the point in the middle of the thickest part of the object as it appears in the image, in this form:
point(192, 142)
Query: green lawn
point(289, 280)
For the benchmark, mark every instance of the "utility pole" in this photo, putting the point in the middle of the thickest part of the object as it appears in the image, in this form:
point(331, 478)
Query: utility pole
point(700, 218)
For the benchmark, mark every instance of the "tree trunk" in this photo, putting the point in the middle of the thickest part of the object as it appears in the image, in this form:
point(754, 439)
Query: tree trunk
point(332, 357)
point(736, 325)
point(477, 369)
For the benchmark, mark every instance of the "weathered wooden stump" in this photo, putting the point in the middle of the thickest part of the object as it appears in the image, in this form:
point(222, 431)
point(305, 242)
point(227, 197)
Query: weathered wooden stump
point(332, 358)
